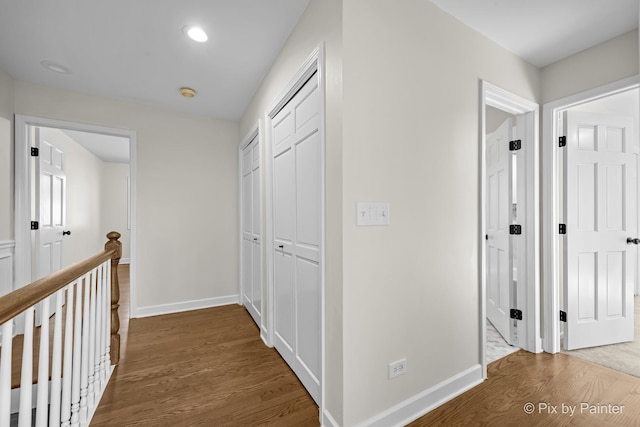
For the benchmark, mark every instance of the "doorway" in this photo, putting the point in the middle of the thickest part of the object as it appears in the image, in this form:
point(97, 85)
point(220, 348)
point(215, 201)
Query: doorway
point(509, 228)
point(30, 132)
point(593, 141)
point(502, 248)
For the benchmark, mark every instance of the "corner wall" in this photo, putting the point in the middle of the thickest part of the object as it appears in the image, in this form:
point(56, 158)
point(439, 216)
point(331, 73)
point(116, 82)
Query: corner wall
point(115, 204)
point(411, 137)
point(605, 63)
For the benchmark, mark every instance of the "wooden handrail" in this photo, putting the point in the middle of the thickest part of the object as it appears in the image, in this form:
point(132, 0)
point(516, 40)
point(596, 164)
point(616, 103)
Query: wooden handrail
point(21, 299)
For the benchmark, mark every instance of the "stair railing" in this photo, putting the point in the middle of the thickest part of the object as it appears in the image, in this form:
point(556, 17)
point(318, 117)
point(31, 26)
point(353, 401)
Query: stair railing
point(76, 357)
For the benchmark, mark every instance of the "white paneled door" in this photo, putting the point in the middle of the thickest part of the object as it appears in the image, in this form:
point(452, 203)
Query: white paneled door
point(601, 225)
point(498, 217)
point(251, 236)
point(297, 208)
point(50, 184)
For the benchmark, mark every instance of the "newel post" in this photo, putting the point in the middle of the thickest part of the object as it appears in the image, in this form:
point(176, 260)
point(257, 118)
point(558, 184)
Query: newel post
point(114, 244)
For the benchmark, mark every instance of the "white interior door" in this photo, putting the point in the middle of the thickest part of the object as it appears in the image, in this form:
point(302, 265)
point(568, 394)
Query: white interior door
point(50, 190)
point(297, 205)
point(498, 218)
point(601, 213)
point(251, 238)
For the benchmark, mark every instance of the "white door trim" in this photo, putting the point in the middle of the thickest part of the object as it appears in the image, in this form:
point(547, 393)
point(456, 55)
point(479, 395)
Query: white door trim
point(22, 195)
point(528, 290)
point(551, 216)
point(315, 62)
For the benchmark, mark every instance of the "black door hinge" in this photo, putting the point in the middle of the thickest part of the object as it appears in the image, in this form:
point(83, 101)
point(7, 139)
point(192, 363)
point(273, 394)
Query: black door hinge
point(515, 314)
point(515, 145)
point(562, 229)
point(34, 225)
point(35, 151)
point(563, 316)
point(515, 229)
point(562, 141)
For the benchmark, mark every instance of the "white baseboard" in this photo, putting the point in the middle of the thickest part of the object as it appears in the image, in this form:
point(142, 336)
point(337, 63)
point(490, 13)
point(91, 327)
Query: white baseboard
point(125, 260)
point(157, 310)
point(418, 405)
point(328, 420)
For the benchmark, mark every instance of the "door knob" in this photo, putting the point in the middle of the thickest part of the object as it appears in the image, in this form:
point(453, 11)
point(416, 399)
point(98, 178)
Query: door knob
point(66, 233)
point(631, 240)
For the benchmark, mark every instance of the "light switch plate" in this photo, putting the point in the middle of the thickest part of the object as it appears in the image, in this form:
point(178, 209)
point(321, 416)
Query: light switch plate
point(373, 213)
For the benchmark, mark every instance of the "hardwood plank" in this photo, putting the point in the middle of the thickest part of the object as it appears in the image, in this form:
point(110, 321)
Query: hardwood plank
point(204, 367)
point(209, 367)
point(547, 381)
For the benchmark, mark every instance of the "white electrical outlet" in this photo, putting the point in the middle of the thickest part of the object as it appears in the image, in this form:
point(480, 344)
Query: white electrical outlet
point(398, 367)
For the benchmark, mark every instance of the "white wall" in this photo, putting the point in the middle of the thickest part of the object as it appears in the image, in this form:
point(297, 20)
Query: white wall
point(410, 102)
point(114, 204)
point(83, 182)
point(495, 117)
point(322, 21)
point(6, 157)
point(608, 62)
point(187, 191)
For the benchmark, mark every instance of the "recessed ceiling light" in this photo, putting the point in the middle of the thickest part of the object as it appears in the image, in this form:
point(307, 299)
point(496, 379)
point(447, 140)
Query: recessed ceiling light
point(196, 33)
point(55, 67)
point(187, 92)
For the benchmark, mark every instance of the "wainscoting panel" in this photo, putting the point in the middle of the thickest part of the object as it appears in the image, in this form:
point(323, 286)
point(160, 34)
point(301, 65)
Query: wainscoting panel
point(6, 266)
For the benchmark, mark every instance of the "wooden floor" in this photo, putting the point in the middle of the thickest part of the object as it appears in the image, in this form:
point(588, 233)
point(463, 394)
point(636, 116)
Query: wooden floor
point(542, 383)
point(205, 367)
point(209, 367)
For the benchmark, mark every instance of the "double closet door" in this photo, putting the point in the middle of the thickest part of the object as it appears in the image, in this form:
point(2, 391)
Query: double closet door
point(251, 219)
point(297, 234)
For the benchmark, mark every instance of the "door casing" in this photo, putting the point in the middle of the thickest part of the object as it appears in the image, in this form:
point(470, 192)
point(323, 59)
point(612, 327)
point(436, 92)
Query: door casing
point(528, 291)
point(551, 215)
point(22, 185)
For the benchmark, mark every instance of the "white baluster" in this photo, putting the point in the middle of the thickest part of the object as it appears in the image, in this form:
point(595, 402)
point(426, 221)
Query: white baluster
point(98, 343)
point(5, 374)
point(92, 337)
point(26, 378)
point(107, 327)
point(65, 406)
point(56, 362)
point(84, 371)
point(77, 349)
point(105, 317)
point(42, 403)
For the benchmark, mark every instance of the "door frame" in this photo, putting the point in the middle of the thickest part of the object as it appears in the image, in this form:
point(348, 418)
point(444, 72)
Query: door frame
point(22, 196)
point(528, 293)
point(314, 63)
point(551, 215)
point(250, 136)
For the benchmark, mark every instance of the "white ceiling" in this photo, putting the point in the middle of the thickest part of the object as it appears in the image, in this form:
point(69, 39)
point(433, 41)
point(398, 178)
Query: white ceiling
point(545, 31)
point(136, 50)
